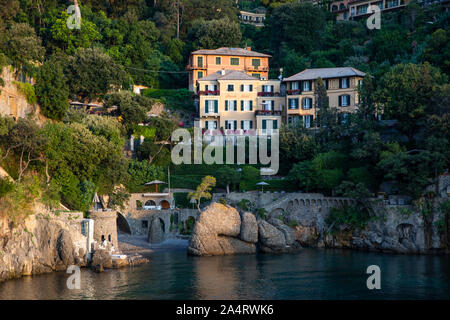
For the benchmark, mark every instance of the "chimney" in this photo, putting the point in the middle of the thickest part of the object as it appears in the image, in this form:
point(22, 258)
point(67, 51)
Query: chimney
point(222, 72)
point(249, 48)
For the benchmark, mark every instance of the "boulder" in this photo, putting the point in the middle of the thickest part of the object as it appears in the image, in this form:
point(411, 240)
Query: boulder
point(249, 228)
point(101, 259)
point(65, 248)
point(216, 232)
point(307, 236)
point(270, 236)
point(155, 231)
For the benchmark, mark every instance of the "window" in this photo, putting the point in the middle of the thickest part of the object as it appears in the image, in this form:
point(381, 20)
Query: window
point(308, 121)
point(246, 105)
point(256, 63)
point(306, 103)
point(293, 103)
point(230, 105)
point(267, 88)
point(234, 61)
point(200, 62)
point(246, 124)
point(325, 83)
point(211, 125)
point(211, 106)
point(268, 105)
point(218, 61)
point(306, 85)
point(294, 85)
point(344, 101)
point(200, 74)
point(246, 87)
point(256, 75)
point(230, 87)
point(231, 124)
point(145, 224)
point(344, 83)
point(211, 87)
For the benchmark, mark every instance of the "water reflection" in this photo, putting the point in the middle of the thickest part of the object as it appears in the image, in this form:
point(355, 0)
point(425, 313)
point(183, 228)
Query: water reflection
point(311, 274)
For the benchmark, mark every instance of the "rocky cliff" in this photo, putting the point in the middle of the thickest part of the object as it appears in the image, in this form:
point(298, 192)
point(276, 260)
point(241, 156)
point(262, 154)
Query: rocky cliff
point(223, 230)
point(396, 229)
point(38, 245)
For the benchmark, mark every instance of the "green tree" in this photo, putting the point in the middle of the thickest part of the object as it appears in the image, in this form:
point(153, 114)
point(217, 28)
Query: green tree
point(21, 44)
point(227, 176)
point(405, 94)
point(91, 74)
point(203, 190)
point(52, 90)
point(213, 34)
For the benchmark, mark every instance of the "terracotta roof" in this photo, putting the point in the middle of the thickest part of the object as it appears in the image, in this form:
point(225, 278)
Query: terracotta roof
point(324, 73)
point(228, 75)
point(232, 52)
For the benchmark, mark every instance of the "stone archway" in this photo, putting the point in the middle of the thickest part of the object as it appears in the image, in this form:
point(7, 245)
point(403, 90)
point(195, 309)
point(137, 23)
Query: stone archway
point(165, 205)
point(157, 230)
point(122, 224)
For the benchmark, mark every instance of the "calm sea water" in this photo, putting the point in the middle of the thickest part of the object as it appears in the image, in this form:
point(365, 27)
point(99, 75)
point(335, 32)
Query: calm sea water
point(310, 274)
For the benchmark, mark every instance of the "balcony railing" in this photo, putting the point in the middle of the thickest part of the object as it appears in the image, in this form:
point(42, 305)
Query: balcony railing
point(209, 93)
point(255, 68)
point(268, 94)
point(268, 112)
point(192, 67)
point(293, 92)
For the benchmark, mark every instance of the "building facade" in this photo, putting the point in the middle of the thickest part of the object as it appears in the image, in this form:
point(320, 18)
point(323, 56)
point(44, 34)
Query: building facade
point(233, 100)
point(342, 89)
point(203, 63)
point(253, 18)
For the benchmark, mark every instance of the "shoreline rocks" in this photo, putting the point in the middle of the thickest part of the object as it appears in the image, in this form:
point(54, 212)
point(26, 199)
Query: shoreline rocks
point(221, 230)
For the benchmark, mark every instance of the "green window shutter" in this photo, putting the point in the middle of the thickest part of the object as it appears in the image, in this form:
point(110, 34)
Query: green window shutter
point(340, 100)
point(251, 88)
point(226, 105)
point(242, 105)
point(216, 106)
point(340, 83)
point(206, 106)
point(242, 87)
point(251, 124)
point(251, 105)
point(235, 105)
point(235, 124)
point(275, 124)
point(226, 124)
point(264, 124)
point(242, 124)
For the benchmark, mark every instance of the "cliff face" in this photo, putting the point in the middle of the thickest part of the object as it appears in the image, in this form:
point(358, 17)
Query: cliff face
point(391, 231)
point(41, 244)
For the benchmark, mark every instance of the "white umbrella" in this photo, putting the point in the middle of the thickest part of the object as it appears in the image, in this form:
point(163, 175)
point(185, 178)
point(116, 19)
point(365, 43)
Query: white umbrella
point(155, 182)
point(262, 184)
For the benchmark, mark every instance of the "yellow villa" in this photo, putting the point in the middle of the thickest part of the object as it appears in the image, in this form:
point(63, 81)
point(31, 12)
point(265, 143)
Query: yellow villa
point(233, 100)
point(342, 89)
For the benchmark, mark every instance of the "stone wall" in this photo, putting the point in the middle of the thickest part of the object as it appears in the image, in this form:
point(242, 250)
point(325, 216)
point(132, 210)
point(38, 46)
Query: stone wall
point(105, 227)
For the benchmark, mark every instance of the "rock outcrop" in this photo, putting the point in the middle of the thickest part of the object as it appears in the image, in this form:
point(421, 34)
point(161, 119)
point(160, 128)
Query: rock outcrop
point(220, 230)
point(216, 233)
point(249, 228)
point(38, 245)
point(155, 233)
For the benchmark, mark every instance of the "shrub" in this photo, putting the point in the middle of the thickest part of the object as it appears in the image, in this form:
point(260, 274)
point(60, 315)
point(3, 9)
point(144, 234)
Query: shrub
point(27, 90)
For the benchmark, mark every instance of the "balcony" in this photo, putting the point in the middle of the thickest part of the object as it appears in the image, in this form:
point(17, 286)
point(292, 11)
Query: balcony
point(268, 94)
point(195, 67)
point(209, 93)
point(268, 112)
point(258, 69)
point(293, 92)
